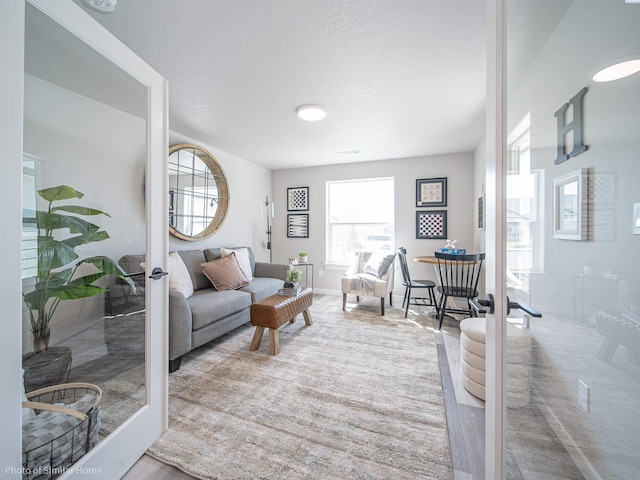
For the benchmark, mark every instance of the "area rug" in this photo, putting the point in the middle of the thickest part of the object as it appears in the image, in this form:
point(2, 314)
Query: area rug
point(355, 395)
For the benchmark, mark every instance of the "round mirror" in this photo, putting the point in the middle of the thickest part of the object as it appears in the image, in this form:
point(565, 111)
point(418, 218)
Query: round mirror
point(198, 193)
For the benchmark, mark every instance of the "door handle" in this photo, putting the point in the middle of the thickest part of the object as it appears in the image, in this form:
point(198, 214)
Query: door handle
point(478, 304)
point(157, 273)
point(522, 306)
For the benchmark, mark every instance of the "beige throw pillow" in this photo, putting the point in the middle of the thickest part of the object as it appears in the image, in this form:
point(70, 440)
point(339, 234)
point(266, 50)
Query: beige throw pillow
point(179, 278)
point(242, 255)
point(225, 273)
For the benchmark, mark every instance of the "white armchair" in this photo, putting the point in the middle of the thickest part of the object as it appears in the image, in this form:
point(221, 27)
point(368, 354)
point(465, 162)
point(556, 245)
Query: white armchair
point(370, 274)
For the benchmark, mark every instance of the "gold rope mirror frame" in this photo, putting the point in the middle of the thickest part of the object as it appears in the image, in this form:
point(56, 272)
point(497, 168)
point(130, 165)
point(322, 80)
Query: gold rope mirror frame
point(198, 193)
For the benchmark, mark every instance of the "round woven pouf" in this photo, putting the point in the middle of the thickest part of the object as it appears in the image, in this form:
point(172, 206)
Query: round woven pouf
point(473, 335)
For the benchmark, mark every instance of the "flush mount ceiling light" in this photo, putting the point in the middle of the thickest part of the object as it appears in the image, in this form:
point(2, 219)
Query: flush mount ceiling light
point(311, 113)
point(102, 5)
point(617, 71)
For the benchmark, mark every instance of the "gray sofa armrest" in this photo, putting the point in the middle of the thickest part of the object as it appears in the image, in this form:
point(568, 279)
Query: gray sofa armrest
point(180, 325)
point(271, 270)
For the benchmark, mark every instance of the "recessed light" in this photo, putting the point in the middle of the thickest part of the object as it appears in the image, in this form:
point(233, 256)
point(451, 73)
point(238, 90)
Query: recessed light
point(617, 71)
point(102, 5)
point(311, 113)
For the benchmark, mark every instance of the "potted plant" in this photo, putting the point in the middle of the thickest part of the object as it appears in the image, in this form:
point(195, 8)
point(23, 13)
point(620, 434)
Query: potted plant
point(293, 277)
point(58, 278)
point(303, 257)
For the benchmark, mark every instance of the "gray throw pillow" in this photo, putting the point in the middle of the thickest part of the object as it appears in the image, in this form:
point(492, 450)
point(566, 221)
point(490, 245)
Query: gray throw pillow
point(379, 263)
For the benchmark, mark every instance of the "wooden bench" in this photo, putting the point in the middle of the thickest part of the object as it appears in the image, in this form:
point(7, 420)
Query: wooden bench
point(276, 310)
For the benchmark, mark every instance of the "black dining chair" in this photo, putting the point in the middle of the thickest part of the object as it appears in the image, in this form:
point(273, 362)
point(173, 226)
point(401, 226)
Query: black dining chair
point(459, 276)
point(410, 285)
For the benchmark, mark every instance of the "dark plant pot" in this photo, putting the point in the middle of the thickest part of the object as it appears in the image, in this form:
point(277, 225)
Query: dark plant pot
point(49, 368)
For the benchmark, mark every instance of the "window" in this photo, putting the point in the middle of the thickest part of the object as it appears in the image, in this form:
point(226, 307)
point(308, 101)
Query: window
point(29, 226)
point(359, 216)
point(524, 232)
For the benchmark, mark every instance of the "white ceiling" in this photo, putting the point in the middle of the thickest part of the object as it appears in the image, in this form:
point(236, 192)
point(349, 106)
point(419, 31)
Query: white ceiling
point(397, 78)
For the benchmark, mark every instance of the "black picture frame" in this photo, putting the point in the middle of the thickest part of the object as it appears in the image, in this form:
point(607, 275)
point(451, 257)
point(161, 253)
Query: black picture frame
point(297, 199)
point(431, 192)
point(298, 225)
point(431, 224)
point(481, 212)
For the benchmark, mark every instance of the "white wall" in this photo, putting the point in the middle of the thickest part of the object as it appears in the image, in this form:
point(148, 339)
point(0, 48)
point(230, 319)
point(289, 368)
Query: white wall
point(458, 168)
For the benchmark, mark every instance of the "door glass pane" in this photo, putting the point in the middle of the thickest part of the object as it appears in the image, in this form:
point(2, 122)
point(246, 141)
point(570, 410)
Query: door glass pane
point(83, 210)
point(573, 389)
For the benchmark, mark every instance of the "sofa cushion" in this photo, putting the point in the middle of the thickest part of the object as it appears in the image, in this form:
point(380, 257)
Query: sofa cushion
point(242, 255)
point(193, 259)
point(179, 278)
point(208, 306)
point(262, 287)
point(225, 273)
point(215, 253)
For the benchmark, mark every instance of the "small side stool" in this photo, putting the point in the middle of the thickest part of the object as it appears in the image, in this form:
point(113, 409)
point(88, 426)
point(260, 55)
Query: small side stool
point(275, 311)
point(473, 335)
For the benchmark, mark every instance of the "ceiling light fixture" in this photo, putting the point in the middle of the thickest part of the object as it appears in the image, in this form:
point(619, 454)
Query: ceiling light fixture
point(107, 6)
point(617, 71)
point(311, 113)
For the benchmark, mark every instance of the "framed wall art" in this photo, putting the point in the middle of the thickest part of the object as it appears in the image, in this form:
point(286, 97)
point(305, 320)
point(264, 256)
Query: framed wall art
point(298, 199)
point(298, 225)
point(571, 206)
point(431, 224)
point(431, 192)
point(481, 212)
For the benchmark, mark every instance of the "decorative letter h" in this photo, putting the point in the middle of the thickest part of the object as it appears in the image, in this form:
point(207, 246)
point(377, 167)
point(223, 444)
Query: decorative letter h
point(575, 125)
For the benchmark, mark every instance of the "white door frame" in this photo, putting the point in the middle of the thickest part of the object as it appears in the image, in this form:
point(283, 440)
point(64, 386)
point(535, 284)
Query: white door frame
point(495, 405)
point(115, 455)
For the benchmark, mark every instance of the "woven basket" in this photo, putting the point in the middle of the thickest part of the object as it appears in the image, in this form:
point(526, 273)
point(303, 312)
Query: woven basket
point(62, 427)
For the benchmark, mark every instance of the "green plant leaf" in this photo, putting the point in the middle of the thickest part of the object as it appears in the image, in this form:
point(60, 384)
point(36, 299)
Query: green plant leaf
point(76, 291)
point(57, 279)
point(91, 237)
point(109, 267)
point(54, 221)
point(53, 254)
point(61, 192)
point(86, 279)
point(79, 210)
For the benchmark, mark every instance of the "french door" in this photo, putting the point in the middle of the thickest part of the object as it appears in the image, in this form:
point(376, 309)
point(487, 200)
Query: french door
point(93, 117)
point(563, 216)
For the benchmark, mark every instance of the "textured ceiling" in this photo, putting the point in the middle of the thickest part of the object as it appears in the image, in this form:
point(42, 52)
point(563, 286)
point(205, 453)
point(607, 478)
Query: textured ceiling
point(397, 78)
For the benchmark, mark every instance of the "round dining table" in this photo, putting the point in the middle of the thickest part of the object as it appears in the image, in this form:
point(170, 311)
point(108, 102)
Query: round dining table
point(426, 259)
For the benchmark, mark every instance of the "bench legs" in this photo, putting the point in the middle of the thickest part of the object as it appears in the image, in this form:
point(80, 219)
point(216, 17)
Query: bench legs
point(274, 336)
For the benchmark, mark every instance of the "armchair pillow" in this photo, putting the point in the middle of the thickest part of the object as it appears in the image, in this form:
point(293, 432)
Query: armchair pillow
point(378, 263)
point(225, 273)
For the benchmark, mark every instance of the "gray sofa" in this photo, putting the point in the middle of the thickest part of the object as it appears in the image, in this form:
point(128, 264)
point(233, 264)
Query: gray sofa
point(208, 313)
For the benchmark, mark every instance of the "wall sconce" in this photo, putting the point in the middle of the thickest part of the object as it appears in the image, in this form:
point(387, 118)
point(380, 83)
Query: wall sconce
point(267, 210)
